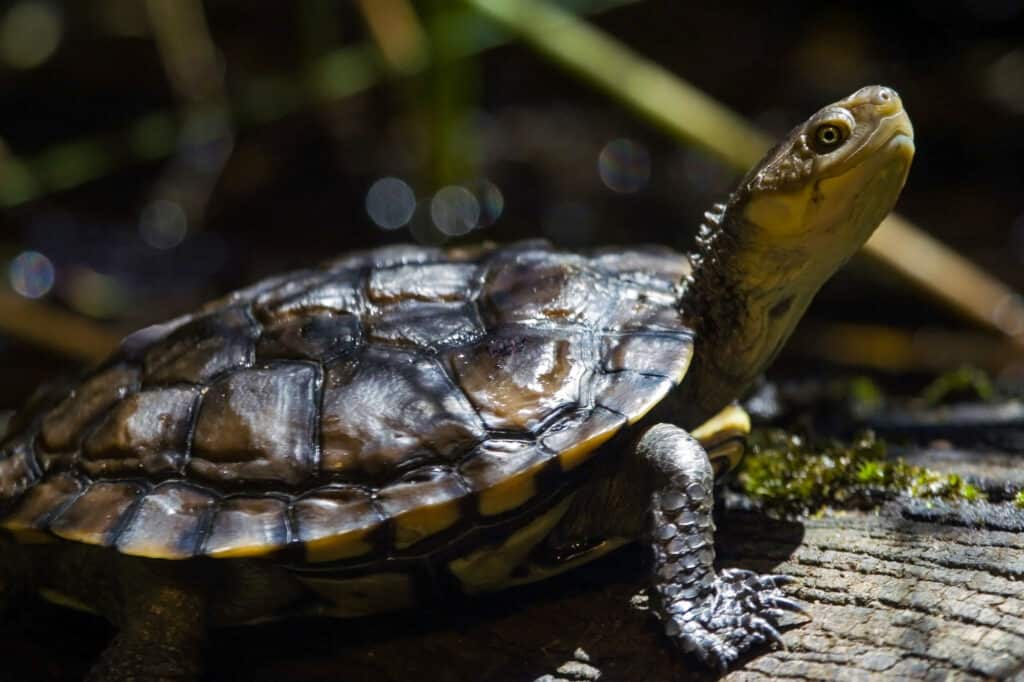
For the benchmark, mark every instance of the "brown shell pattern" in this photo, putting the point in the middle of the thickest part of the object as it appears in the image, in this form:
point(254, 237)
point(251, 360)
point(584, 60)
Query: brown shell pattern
point(355, 411)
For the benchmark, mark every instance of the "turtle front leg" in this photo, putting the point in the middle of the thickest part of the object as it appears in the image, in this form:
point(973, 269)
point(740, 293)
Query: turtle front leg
point(717, 616)
point(162, 624)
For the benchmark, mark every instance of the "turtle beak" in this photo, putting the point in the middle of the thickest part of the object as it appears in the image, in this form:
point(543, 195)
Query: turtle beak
point(884, 105)
point(894, 125)
point(902, 145)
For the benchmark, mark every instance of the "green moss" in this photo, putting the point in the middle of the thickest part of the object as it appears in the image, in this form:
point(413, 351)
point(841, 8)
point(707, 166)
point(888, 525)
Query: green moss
point(1019, 500)
point(788, 475)
point(963, 384)
point(864, 395)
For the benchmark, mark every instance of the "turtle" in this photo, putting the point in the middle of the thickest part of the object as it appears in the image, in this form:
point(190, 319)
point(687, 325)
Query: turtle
point(406, 422)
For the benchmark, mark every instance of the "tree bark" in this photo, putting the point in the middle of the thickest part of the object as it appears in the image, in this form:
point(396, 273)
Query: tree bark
point(890, 596)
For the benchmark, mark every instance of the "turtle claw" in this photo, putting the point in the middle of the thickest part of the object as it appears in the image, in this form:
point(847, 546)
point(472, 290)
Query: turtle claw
point(774, 580)
point(769, 632)
point(739, 613)
point(784, 604)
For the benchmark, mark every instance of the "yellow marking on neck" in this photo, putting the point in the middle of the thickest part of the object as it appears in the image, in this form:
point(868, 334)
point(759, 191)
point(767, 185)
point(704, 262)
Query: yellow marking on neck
point(722, 436)
point(779, 213)
point(732, 419)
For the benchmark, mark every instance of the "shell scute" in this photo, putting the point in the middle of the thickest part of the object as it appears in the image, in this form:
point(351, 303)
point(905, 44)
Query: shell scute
point(203, 348)
point(656, 267)
point(387, 407)
point(579, 435)
point(96, 515)
point(248, 526)
point(320, 336)
point(629, 393)
point(518, 378)
point(445, 282)
point(380, 406)
point(42, 502)
point(341, 292)
point(336, 523)
point(422, 503)
point(258, 424)
point(426, 326)
point(634, 308)
point(504, 474)
point(18, 468)
point(168, 523)
point(146, 432)
point(533, 289)
point(62, 428)
point(661, 355)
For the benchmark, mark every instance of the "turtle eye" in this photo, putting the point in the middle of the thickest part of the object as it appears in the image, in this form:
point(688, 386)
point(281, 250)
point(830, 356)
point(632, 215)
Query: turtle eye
point(827, 137)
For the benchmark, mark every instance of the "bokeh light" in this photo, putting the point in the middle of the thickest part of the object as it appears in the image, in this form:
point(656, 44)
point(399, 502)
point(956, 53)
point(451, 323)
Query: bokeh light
point(32, 274)
point(1004, 81)
point(624, 165)
point(454, 210)
point(30, 32)
point(492, 201)
point(163, 224)
point(390, 203)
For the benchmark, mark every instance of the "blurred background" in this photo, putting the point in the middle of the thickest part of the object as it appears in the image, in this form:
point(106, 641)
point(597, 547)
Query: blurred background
point(158, 153)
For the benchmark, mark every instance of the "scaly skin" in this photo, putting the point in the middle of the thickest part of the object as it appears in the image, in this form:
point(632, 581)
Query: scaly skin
point(662, 493)
point(792, 222)
point(716, 616)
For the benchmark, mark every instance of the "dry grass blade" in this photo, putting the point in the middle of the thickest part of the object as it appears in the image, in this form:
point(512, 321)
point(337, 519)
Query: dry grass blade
point(934, 267)
point(692, 116)
point(55, 330)
point(397, 33)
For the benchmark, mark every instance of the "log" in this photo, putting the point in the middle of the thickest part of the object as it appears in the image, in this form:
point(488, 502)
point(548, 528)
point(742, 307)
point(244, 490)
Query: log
point(911, 591)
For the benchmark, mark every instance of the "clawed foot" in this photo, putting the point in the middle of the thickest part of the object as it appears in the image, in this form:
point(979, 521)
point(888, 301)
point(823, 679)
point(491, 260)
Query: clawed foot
point(740, 613)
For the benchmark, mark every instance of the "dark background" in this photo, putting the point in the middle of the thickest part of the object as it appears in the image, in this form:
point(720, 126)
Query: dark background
point(95, 133)
point(281, 180)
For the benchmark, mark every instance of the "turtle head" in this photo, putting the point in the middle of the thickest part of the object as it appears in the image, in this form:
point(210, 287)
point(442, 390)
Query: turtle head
point(825, 188)
point(794, 219)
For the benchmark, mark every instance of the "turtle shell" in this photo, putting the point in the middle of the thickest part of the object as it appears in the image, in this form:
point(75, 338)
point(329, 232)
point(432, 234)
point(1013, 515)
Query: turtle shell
point(361, 410)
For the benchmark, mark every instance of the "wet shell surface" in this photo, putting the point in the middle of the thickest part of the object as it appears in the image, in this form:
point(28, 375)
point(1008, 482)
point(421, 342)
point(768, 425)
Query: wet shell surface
point(371, 408)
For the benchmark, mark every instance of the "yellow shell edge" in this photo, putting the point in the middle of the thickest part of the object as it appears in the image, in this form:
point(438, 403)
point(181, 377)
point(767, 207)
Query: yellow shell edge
point(417, 524)
point(508, 494)
point(337, 547)
point(577, 454)
point(242, 552)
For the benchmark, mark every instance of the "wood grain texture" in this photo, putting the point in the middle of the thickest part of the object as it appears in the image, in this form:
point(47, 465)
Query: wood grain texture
point(888, 598)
